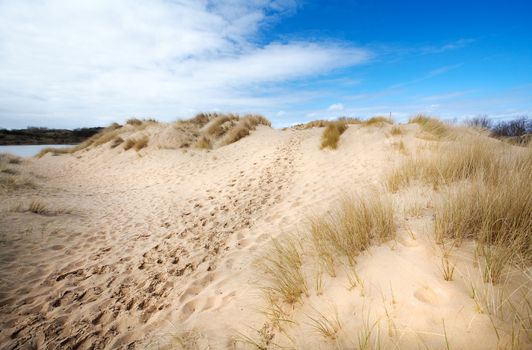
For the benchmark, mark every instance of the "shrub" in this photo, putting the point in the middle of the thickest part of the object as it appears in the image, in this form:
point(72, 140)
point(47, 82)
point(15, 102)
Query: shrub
point(331, 134)
point(512, 128)
point(482, 122)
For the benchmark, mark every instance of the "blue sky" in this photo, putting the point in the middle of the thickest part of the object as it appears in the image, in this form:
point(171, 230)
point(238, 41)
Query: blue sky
point(92, 62)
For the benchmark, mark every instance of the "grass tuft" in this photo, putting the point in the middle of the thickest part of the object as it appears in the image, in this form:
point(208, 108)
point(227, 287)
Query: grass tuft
point(430, 125)
point(141, 143)
point(203, 143)
point(243, 127)
point(326, 326)
point(349, 230)
point(396, 130)
point(38, 207)
point(377, 121)
point(117, 142)
point(282, 268)
point(134, 122)
point(331, 134)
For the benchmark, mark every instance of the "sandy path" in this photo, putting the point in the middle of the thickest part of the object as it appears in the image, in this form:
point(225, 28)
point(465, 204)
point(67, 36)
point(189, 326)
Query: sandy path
point(135, 247)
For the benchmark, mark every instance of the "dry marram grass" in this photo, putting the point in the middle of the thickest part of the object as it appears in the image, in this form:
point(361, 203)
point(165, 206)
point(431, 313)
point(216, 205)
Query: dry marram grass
point(282, 267)
point(351, 228)
point(431, 125)
point(331, 134)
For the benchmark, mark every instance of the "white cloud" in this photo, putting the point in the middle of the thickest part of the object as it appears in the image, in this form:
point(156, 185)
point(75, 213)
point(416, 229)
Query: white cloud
point(73, 61)
point(336, 107)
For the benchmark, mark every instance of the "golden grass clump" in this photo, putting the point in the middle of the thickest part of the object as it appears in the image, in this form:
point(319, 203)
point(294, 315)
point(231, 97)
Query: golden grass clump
point(282, 269)
point(430, 125)
point(103, 136)
point(203, 143)
point(331, 134)
point(55, 151)
point(377, 121)
point(6, 158)
point(396, 130)
point(117, 142)
point(351, 228)
point(495, 212)
point(451, 162)
point(134, 122)
point(487, 198)
point(312, 124)
point(243, 127)
point(37, 207)
point(136, 144)
point(10, 177)
point(140, 143)
point(129, 144)
point(326, 326)
point(219, 125)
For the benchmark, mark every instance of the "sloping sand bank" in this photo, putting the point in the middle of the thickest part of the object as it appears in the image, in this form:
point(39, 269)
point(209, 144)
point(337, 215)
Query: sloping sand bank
point(158, 249)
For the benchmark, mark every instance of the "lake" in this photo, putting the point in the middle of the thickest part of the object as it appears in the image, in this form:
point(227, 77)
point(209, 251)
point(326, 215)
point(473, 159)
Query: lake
point(26, 150)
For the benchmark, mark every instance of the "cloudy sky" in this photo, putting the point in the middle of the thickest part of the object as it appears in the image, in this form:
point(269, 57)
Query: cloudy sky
point(79, 63)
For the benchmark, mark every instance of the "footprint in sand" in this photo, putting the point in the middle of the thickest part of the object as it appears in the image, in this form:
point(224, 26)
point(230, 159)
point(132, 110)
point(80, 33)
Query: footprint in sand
point(427, 295)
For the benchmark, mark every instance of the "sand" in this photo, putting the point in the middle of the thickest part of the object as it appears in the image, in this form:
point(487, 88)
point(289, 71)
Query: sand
point(158, 249)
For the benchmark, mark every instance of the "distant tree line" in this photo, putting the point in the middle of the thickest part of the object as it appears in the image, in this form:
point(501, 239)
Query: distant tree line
point(33, 135)
point(519, 127)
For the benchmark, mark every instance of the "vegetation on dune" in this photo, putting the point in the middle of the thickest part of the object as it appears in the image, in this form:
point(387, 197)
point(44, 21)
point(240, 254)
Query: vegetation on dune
point(377, 121)
point(134, 122)
point(396, 130)
point(351, 228)
point(117, 142)
point(331, 134)
point(282, 268)
point(140, 143)
point(487, 197)
point(212, 130)
point(203, 143)
point(10, 174)
point(324, 123)
point(430, 125)
point(104, 136)
point(243, 128)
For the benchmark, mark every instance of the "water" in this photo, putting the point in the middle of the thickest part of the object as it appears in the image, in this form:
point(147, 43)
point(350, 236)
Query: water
point(26, 150)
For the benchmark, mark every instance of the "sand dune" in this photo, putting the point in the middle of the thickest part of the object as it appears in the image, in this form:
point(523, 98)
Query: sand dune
point(159, 249)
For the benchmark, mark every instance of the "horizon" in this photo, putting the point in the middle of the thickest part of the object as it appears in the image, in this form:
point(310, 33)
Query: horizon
point(86, 64)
